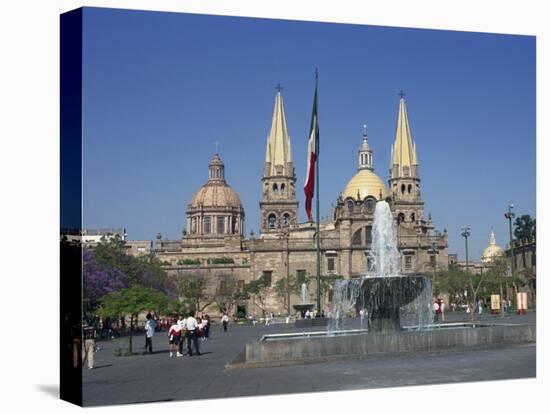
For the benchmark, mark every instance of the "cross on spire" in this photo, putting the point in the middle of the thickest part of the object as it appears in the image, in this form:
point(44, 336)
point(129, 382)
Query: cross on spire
point(279, 88)
point(401, 94)
point(364, 129)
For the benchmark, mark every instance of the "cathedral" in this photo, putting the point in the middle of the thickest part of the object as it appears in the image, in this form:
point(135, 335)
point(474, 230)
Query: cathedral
point(214, 244)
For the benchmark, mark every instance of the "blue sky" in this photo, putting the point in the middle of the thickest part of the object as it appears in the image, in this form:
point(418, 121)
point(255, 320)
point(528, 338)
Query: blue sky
point(161, 88)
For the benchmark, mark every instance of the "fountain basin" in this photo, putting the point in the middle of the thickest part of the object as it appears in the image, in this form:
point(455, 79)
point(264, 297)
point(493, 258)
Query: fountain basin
point(385, 297)
point(323, 347)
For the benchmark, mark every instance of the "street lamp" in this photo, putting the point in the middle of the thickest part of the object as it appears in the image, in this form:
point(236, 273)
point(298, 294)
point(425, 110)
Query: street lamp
point(434, 251)
point(510, 215)
point(466, 234)
point(284, 235)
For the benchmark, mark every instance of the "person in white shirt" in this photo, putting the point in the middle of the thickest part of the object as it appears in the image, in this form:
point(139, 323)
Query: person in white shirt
point(149, 332)
point(191, 326)
point(225, 321)
point(181, 324)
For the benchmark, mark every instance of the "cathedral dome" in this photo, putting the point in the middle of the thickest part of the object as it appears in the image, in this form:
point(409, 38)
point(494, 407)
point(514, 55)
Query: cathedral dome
point(216, 195)
point(365, 183)
point(216, 192)
point(491, 252)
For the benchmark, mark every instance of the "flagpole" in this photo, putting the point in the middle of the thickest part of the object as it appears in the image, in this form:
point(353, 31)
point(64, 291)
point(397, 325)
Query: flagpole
point(317, 210)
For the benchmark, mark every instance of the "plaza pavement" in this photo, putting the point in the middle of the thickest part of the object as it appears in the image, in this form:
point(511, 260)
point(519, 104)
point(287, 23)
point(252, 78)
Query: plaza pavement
point(156, 377)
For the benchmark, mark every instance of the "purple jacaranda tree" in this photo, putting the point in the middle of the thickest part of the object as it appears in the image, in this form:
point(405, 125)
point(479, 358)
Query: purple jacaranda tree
point(99, 280)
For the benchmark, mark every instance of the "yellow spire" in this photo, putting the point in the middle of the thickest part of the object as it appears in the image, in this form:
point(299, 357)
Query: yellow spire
point(278, 152)
point(404, 150)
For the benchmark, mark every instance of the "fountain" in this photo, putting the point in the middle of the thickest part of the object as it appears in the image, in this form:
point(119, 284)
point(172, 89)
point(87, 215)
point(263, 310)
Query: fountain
point(388, 297)
point(400, 317)
point(304, 306)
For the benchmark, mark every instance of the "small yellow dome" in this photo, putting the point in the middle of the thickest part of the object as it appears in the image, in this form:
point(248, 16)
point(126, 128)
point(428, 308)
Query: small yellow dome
point(365, 183)
point(216, 194)
point(492, 251)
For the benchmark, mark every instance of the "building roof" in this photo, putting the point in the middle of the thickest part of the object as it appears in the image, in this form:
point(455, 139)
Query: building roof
point(403, 149)
point(216, 192)
point(278, 151)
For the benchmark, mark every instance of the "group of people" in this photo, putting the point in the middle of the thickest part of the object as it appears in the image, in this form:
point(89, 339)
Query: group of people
point(190, 329)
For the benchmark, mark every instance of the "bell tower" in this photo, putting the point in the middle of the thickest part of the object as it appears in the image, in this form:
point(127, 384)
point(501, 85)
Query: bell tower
point(404, 178)
point(278, 205)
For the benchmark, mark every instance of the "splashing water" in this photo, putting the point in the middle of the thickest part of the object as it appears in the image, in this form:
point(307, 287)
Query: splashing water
point(305, 295)
point(395, 300)
point(384, 254)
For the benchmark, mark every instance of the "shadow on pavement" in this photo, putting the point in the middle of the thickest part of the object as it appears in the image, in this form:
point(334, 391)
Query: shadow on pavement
point(50, 389)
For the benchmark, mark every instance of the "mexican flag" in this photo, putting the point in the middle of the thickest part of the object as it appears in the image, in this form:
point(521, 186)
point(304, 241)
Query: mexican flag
point(312, 155)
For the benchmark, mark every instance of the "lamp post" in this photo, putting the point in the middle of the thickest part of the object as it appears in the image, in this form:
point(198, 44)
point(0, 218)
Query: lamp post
point(466, 234)
point(434, 251)
point(284, 235)
point(509, 216)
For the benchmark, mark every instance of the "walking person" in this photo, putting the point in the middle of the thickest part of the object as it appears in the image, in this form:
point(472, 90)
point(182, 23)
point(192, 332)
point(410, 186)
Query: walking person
point(181, 323)
point(191, 327)
point(89, 334)
point(225, 321)
point(174, 339)
point(442, 310)
point(149, 332)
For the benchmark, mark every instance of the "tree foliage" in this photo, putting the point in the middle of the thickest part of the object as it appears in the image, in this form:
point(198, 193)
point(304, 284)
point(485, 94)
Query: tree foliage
point(525, 227)
point(228, 294)
point(259, 288)
point(192, 291)
point(99, 280)
point(145, 270)
point(131, 302)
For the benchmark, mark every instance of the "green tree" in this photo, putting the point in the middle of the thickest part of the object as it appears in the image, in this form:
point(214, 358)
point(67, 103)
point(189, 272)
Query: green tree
point(228, 294)
point(284, 287)
point(525, 227)
point(131, 302)
point(259, 288)
point(192, 289)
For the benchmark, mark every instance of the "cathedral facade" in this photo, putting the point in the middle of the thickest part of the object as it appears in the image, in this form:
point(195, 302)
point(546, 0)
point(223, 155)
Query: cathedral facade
point(214, 246)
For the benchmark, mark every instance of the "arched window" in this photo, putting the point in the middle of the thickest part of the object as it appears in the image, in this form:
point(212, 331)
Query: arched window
point(193, 225)
point(413, 217)
point(409, 188)
point(286, 219)
point(207, 225)
point(271, 221)
point(275, 188)
point(370, 205)
point(282, 188)
point(400, 218)
point(350, 205)
point(402, 188)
